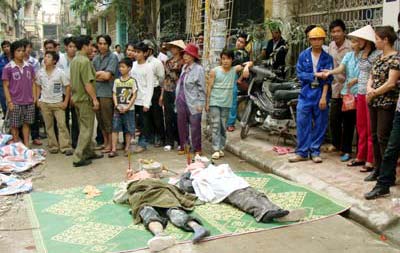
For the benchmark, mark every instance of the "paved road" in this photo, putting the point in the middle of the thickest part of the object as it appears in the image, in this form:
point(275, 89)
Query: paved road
point(335, 234)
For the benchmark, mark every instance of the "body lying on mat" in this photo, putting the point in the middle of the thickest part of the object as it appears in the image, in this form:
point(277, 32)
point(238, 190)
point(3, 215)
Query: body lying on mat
point(154, 203)
point(217, 184)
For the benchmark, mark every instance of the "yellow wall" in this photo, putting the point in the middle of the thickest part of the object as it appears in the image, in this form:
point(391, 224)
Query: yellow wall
point(268, 8)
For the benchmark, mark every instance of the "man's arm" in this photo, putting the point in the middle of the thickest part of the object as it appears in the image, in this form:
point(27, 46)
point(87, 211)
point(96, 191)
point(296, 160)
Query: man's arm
point(103, 76)
point(67, 96)
point(323, 100)
point(6, 87)
point(302, 75)
point(210, 84)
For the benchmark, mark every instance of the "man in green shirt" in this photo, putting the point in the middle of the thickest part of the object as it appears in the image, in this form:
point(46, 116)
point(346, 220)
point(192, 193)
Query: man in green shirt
point(84, 98)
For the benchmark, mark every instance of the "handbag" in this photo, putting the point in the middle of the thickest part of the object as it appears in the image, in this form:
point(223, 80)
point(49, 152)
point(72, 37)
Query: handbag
point(349, 102)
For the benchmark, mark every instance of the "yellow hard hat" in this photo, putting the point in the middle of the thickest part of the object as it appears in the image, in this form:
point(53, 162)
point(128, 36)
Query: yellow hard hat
point(317, 32)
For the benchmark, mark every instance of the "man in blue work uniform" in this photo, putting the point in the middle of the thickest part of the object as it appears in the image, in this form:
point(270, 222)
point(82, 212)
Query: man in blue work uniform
point(4, 59)
point(312, 108)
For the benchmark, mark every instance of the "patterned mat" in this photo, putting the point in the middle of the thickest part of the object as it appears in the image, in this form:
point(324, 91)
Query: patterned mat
point(71, 223)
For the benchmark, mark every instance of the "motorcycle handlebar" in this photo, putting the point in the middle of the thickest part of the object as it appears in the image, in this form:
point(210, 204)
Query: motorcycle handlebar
point(262, 72)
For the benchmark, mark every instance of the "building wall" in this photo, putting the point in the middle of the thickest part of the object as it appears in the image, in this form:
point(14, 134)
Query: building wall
point(390, 12)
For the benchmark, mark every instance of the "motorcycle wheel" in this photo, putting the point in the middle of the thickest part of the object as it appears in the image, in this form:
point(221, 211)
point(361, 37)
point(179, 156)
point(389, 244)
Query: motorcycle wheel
point(244, 132)
point(245, 122)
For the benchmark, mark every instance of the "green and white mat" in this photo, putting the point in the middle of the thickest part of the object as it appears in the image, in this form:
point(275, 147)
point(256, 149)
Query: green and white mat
point(71, 223)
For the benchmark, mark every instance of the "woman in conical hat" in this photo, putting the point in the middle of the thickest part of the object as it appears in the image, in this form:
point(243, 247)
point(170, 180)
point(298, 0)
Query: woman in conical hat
point(367, 55)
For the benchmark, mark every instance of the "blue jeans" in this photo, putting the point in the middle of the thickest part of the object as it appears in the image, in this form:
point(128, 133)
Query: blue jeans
point(124, 122)
point(233, 110)
point(219, 116)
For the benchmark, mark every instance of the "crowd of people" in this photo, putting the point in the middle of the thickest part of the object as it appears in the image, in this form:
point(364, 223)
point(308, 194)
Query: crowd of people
point(352, 84)
point(160, 97)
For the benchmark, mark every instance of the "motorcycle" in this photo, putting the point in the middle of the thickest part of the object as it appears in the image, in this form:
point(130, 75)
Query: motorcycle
point(272, 103)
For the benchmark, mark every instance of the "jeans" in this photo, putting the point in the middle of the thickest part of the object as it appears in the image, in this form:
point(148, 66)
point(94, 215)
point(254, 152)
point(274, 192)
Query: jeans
point(176, 216)
point(381, 126)
point(233, 110)
point(387, 173)
point(336, 122)
point(219, 116)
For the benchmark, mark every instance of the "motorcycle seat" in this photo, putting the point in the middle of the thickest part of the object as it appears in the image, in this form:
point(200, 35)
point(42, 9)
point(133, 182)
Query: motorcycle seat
point(273, 87)
point(286, 95)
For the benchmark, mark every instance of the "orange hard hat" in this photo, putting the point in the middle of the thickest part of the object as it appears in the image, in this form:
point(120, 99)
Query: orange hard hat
point(317, 32)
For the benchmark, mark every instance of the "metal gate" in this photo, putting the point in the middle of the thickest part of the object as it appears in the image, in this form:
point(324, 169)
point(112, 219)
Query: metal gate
point(355, 13)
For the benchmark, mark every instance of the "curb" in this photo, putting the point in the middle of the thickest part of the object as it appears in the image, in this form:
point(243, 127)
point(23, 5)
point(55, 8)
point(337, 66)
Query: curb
point(377, 220)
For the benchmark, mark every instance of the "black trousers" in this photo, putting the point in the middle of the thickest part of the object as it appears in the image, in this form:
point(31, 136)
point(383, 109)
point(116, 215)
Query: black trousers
point(381, 126)
point(157, 116)
point(171, 124)
point(143, 123)
point(387, 173)
point(349, 123)
point(35, 127)
point(251, 201)
point(336, 122)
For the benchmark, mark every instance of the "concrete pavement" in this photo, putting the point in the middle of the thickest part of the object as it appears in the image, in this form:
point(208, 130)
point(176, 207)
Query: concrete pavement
point(332, 177)
point(335, 234)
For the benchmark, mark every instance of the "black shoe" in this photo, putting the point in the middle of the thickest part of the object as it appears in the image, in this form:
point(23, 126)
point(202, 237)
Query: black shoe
point(373, 176)
point(96, 156)
point(377, 192)
point(82, 163)
point(270, 215)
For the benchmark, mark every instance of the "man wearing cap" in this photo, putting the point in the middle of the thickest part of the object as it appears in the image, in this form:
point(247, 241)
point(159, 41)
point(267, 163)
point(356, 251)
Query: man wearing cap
point(156, 112)
point(173, 68)
point(312, 108)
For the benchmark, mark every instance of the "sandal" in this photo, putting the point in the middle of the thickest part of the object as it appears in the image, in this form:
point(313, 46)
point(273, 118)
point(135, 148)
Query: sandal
point(230, 128)
point(105, 151)
point(355, 163)
point(112, 154)
point(367, 169)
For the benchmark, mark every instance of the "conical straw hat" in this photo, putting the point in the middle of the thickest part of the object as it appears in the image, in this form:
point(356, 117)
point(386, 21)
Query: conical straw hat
point(366, 33)
point(177, 43)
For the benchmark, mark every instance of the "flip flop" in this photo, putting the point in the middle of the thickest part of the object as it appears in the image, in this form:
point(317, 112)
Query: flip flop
point(355, 163)
point(366, 169)
point(231, 128)
point(112, 154)
point(105, 151)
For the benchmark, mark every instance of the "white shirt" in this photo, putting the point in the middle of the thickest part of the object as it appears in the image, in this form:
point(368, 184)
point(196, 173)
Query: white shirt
point(144, 75)
point(157, 69)
point(52, 85)
point(63, 64)
point(162, 57)
point(120, 56)
point(215, 183)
